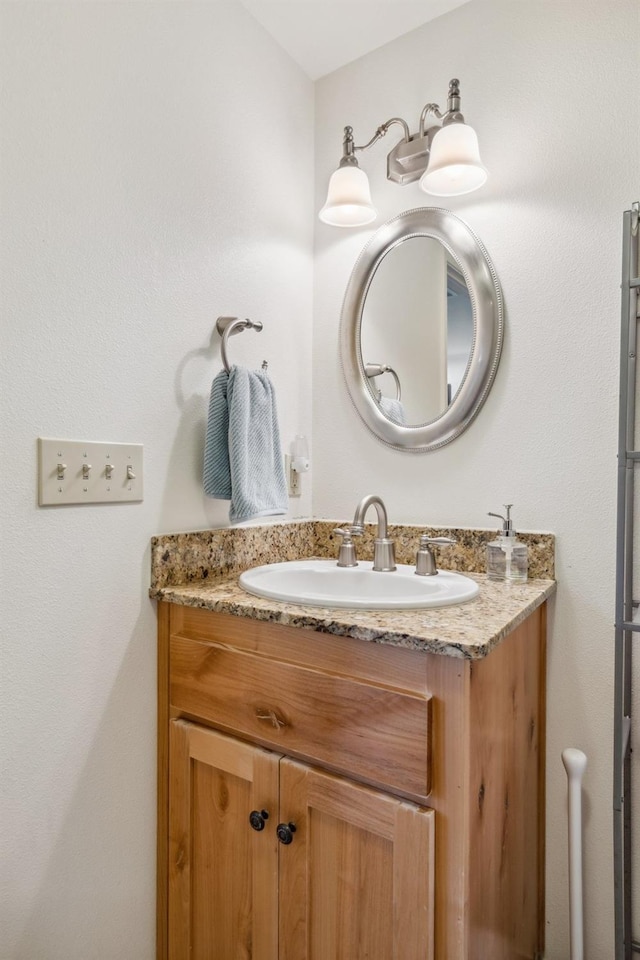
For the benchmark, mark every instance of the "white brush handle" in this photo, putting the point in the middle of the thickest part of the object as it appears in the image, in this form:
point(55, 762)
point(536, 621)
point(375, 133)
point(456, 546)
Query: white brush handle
point(575, 763)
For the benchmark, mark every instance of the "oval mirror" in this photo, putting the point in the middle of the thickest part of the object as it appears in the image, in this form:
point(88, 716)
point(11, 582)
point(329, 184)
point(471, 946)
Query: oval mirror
point(421, 329)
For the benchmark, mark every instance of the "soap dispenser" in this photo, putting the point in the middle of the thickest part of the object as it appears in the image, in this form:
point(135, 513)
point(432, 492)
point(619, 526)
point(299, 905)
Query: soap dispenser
point(507, 557)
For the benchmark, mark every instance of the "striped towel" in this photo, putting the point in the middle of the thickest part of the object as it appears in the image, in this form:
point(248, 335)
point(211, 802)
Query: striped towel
point(217, 471)
point(393, 410)
point(243, 459)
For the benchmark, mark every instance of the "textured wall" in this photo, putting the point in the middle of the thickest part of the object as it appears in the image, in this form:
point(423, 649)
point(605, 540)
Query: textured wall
point(157, 171)
point(541, 83)
point(136, 208)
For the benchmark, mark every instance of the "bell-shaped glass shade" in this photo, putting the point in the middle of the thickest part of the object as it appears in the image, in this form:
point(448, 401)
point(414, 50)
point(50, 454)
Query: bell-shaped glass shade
point(454, 166)
point(348, 199)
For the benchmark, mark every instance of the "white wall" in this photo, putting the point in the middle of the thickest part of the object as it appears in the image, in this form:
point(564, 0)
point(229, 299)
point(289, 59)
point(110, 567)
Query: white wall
point(157, 172)
point(551, 89)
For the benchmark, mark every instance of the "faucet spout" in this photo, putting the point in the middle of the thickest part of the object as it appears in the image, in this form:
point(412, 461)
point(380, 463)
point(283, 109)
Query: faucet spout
point(381, 510)
point(383, 548)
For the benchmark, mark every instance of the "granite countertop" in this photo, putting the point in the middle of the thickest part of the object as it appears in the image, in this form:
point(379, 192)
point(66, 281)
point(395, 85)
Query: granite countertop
point(202, 569)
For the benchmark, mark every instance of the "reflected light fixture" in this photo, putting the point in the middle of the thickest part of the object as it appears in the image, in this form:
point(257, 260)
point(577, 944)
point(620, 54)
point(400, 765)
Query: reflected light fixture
point(443, 155)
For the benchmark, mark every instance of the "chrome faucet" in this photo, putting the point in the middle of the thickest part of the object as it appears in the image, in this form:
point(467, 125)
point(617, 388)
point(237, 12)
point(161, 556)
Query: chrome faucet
point(384, 555)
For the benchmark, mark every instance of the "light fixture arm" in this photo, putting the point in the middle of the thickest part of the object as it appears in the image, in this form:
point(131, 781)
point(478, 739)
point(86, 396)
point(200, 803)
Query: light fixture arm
point(349, 146)
point(382, 130)
point(428, 110)
point(452, 114)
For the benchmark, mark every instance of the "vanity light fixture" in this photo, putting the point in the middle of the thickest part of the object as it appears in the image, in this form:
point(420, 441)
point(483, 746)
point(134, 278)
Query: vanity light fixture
point(444, 156)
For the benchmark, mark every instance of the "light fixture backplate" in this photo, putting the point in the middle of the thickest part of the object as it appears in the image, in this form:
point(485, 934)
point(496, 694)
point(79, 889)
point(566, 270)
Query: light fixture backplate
point(409, 158)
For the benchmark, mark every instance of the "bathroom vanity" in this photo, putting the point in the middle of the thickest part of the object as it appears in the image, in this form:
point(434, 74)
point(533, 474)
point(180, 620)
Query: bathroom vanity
point(345, 784)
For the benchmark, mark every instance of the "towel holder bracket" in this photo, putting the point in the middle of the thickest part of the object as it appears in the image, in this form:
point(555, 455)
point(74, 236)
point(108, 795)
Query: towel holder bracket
point(223, 323)
point(228, 327)
point(377, 369)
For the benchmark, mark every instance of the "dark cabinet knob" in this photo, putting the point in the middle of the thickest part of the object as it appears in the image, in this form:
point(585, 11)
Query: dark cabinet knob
point(285, 832)
point(257, 819)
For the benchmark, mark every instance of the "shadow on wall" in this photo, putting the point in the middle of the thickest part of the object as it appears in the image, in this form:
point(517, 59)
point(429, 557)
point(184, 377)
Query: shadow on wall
point(112, 919)
point(184, 465)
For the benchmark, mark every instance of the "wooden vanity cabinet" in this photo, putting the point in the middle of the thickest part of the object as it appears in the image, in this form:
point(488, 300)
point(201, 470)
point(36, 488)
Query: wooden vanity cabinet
point(408, 788)
point(338, 885)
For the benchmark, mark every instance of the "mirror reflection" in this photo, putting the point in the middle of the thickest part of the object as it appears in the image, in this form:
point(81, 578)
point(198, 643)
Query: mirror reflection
point(416, 331)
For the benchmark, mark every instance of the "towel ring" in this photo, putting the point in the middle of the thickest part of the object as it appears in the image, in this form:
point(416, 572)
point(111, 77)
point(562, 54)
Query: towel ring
point(228, 327)
point(377, 369)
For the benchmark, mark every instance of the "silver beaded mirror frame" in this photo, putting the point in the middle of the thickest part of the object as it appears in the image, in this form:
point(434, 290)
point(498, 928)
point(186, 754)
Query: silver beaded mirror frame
point(488, 328)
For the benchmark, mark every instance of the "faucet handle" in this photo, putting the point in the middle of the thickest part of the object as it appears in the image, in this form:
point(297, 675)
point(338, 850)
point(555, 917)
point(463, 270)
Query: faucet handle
point(348, 532)
point(425, 560)
point(347, 556)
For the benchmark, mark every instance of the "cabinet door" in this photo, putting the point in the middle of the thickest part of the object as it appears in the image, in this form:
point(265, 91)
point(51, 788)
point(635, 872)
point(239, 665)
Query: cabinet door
point(223, 885)
point(356, 881)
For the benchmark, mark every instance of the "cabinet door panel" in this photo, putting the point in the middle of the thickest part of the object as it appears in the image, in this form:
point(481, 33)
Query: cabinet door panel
point(222, 873)
point(356, 883)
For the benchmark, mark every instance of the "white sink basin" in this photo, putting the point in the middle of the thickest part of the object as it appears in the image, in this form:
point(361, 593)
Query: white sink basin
point(321, 583)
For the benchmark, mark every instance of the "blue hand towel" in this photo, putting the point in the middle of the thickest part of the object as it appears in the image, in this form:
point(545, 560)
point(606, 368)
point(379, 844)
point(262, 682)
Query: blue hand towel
point(217, 471)
point(243, 437)
point(258, 487)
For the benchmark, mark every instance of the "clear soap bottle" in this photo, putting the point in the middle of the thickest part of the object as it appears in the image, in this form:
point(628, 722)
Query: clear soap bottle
point(507, 557)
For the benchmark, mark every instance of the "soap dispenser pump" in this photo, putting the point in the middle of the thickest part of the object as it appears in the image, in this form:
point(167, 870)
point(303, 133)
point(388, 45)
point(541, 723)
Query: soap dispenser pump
point(507, 557)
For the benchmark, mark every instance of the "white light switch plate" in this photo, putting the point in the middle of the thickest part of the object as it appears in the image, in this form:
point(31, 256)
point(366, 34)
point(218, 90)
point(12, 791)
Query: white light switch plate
point(79, 471)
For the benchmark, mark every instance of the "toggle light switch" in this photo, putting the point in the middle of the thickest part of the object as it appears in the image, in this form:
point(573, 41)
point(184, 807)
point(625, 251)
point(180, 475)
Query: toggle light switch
point(78, 471)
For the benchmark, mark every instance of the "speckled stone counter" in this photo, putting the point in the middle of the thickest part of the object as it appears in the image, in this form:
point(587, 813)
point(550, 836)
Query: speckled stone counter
point(201, 570)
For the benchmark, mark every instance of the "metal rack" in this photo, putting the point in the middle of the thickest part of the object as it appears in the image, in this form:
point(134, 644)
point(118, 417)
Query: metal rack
point(626, 624)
